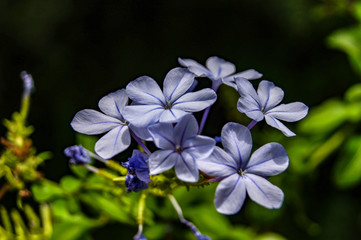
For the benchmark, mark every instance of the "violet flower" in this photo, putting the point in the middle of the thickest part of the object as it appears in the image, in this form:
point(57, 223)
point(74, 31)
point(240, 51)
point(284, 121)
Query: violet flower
point(92, 122)
point(78, 155)
point(218, 70)
point(138, 172)
point(151, 105)
point(240, 174)
point(180, 147)
point(263, 104)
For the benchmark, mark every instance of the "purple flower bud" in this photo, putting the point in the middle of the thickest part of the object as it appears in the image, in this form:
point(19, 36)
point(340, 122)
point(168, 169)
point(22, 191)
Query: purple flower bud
point(28, 82)
point(77, 154)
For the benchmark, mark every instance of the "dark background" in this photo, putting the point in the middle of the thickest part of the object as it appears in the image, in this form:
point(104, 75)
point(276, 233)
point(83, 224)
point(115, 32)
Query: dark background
point(79, 51)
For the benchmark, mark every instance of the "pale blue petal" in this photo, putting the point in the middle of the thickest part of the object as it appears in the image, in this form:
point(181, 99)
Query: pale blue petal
point(246, 89)
point(114, 103)
point(273, 122)
point(290, 112)
point(176, 83)
point(162, 160)
point(162, 134)
point(199, 146)
point(218, 164)
point(114, 142)
point(237, 142)
point(186, 168)
point(249, 74)
point(248, 106)
point(269, 160)
point(172, 115)
point(142, 115)
point(269, 95)
point(141, 132)
point(185, 129)
point(193, 66)
point(219, 67)
point(89, 121)
point(230, 194)
point(263, 192)
point(196, 101)
point(144, 90)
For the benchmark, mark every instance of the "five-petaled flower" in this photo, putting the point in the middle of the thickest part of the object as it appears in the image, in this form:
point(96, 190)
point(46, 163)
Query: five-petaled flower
point(239, 174)
point(92, 122)
point(180, 147)
point(263, 104)
point(151, 105)
point(218, 70)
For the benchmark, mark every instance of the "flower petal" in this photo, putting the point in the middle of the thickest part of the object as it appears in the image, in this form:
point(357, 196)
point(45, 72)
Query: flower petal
point(196, 101)
point(143, 115)
point(218, 164)
point(89, 121)
point(185, 129)
point(246, 89)
point(200, 146)
point(162, 160)
point(162, 134)
point(269, 160)
point(269, 95)
point(219, 67)
point(290, 112)
point(273, 122)
point(249, 74)
point(186, 168)
point(176, 83)
point(237, 142)
point(144, 90)
point(193, 66)
point(114, 103)
point(263, 192)
point(172, 115)
point(114, 142)
point(250, 107)
point(230, 194)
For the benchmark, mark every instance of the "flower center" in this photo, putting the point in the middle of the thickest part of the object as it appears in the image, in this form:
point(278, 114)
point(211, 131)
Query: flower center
point(178, 149)
point(168, 105)
point(241, 172)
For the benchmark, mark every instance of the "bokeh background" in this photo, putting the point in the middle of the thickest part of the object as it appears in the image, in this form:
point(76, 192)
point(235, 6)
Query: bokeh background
point(79, 51)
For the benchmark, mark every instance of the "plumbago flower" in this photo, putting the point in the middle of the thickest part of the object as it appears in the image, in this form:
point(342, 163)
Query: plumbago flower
point(151, 105)
point(263, 104)
point(78, 155)
point(241, 174)
point(218, 70)
point(180, 147)
point(91, 122)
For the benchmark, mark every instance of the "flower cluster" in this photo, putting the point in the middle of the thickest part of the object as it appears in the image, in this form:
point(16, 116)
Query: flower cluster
point(163, 118)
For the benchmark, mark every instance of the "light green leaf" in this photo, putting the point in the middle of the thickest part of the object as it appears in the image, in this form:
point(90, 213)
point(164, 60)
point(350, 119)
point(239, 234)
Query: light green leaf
point(46, 191)
point(70, 184)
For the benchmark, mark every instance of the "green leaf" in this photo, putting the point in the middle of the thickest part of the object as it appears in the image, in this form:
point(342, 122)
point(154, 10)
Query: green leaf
point(69, 231)
point(347, 171)
point(46, 191)
point(325, 118)
point(108, 204)
point(353, 94)
point(70, 184)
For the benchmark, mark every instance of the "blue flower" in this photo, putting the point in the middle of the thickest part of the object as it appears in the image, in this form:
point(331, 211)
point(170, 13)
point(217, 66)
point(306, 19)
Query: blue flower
point(138, 172)
point(78, 155)
point(240, 174)
point(91, 122)
point(218, 70)
point(141, 237)
point(180, 147)
point(263, 104)
point(151, 105)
